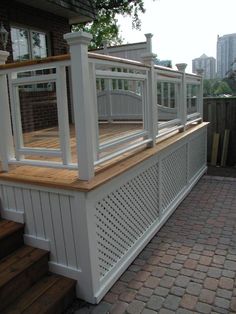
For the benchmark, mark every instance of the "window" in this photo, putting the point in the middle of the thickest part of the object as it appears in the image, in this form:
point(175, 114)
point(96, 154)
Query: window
point(28, 44)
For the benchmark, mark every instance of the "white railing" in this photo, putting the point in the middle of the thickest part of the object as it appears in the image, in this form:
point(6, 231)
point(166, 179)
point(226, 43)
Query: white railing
point(102, 88)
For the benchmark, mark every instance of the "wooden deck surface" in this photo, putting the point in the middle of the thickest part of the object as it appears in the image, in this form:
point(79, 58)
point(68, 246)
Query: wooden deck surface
point(68, 179)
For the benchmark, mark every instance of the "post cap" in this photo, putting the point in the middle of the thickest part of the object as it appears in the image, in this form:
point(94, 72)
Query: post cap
point(3, 56)
point(76, 38)
point(181, 66)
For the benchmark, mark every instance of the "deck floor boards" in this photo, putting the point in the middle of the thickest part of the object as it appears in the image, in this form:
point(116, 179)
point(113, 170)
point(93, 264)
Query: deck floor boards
point(68, 179)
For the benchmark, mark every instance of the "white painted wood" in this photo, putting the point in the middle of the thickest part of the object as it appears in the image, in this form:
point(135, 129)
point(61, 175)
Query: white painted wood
point(37, 212)
point(6, 142)
point(82, 101)
point(58, 229)
point(63, 116)
point(13, 215)
point(44, 78)
point(30, 227)
point(38, 242)
point(183, 96)
point(66, 218)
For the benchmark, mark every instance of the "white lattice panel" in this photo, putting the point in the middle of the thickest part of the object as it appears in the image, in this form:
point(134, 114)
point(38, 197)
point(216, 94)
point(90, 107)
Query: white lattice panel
point(174, 175)
point(197, 154)
point(124, 215)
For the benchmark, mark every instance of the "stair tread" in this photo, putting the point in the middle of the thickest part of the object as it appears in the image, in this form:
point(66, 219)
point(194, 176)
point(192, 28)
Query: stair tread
point(42, 295)
point(15, 263)
point(8, 227)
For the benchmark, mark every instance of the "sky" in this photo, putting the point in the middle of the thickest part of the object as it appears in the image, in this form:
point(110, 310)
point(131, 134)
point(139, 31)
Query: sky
point(182, 29)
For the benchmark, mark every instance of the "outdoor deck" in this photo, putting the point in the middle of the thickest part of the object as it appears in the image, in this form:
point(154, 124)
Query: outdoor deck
point(68, 179)
point(189, 266)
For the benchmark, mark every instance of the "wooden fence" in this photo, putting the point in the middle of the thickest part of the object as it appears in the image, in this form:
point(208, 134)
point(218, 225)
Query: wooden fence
point(221, 113)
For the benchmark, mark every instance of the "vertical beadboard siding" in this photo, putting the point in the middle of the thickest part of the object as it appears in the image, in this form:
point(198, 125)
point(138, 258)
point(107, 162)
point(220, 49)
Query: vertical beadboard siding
point(48, 216)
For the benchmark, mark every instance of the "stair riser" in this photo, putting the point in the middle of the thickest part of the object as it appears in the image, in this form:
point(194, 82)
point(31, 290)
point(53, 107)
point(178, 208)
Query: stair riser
point(11, 243)
point(19, 284)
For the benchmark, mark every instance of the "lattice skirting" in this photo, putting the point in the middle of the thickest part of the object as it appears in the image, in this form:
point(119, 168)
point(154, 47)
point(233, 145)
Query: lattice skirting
point(94, 236)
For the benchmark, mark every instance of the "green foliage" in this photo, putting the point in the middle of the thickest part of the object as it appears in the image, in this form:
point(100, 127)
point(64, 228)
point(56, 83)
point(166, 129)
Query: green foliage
point(215, 87)
point(105, 27)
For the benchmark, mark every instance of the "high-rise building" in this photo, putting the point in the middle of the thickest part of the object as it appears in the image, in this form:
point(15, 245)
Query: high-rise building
point(205, 63)
point(226, 54)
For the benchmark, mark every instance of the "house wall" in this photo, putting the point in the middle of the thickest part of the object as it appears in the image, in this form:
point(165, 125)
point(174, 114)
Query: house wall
point(12, 12)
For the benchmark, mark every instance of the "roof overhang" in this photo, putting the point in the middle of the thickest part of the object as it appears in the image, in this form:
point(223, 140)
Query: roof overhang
point(76, 11)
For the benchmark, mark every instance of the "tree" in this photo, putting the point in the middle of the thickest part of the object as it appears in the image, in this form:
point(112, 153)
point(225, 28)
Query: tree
point(215, 87)
point(105, 27)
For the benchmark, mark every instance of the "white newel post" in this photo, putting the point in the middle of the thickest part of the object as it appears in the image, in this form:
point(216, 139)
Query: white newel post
point(200, 72)
point(151, 120)
point(83, 102)
point(183, 95)
point(6, 138)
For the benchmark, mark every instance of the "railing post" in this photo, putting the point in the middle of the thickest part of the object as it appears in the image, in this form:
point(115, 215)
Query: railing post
point(200, 72)
point(6, 138)
point(183, 95)
point(151, 106)
point(83, 102)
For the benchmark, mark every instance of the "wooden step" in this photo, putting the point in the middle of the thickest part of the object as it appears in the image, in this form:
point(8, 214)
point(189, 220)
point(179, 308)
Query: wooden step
point(11, 236)
point(52, 294)
point(19, 271)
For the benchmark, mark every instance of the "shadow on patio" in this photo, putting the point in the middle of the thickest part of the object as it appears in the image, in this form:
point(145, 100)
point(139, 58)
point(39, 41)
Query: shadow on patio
point(189, 266)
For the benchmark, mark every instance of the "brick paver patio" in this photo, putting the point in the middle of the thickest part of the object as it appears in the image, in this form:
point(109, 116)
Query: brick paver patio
point(189, 266)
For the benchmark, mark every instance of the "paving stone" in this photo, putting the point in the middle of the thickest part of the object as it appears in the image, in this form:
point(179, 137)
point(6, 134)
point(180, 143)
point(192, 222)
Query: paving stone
point(194, 288)
point(155, 302)
point(230, 265)
point(119, 308)
point(141, 298)
point(228, 273)
point(182, 281)
point(152, 282)
point(128, 276)
point(111, 297)
point(159, 272)
point(187, 272)
point(214, 272)
point(167, 281)
point(203, 308)
point(177, 291)
point(128, 295)
point(167, 259)
point(165, 311)
point(233, 304)
point(172, 272)
point(207, 296)
point(218, 259)
point(119, 287)
point(211, 283)
point(190, 263)
point(189, 301)
point(222, 303)
point(176, 266)
point(135, 307)
point(141, 276)
point(202, 268)
point(146, 292)
point(135, 284)
point(184, 311)
point(161, 291)
point(226, 283)
point(101, 308)
point(199, 275)
point(227, 294)
point(147, 311)
point(172, 302)
point(205, 260)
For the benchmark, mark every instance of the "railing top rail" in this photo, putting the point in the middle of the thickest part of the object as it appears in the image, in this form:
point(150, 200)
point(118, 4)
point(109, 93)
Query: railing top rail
point(98, 56)
point(171, 72)
point(22, 64)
